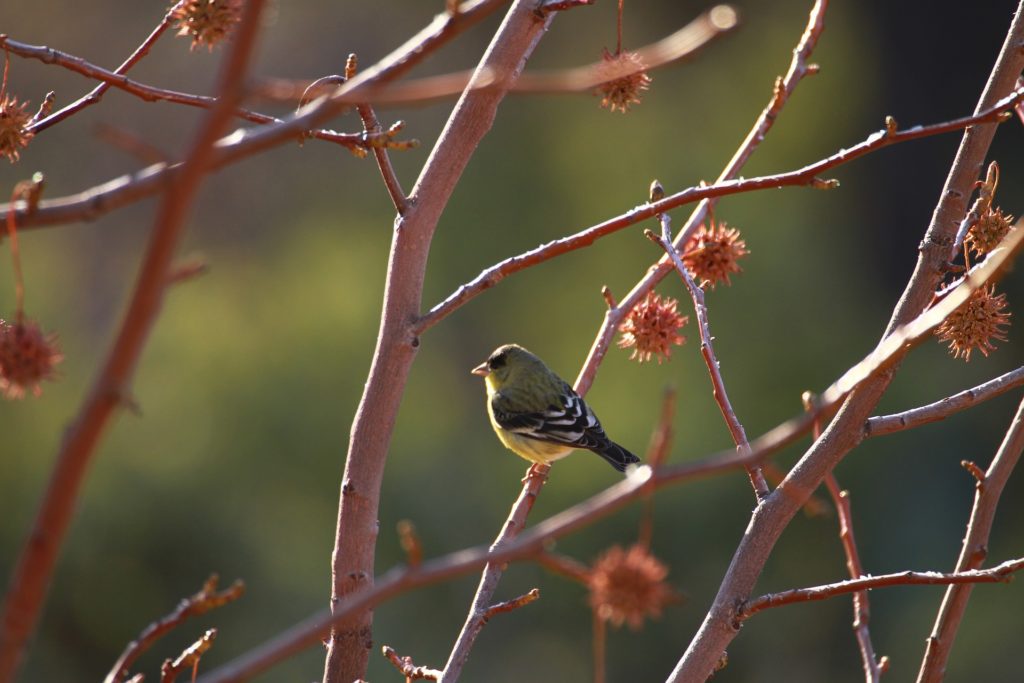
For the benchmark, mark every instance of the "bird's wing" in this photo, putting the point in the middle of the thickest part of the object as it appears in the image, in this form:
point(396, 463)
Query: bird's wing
point(572, 422)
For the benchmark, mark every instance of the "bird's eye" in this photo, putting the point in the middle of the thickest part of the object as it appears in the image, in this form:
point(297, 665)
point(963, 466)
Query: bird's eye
point(496, 361)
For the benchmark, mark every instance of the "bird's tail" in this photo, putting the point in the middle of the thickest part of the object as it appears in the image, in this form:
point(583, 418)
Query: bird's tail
point(617, 456)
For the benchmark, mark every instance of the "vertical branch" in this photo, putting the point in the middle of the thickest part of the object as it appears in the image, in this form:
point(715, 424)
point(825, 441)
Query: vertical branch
point(352, 563)
point(873, 668)
point(31, 577)
point(972, 554)
point(707, 350)
point(846, 430)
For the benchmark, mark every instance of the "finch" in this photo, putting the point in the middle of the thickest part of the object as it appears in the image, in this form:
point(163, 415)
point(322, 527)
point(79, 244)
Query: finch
point(537, 415)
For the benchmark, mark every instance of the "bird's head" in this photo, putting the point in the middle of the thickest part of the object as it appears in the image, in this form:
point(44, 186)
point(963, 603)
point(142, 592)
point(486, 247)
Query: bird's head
point(507, 362)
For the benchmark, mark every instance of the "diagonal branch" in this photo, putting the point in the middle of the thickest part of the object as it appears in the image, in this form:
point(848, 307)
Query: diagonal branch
point(480, 611)
point(96, 93)
point(206, 599)
point(30, 580)
point(707, 350)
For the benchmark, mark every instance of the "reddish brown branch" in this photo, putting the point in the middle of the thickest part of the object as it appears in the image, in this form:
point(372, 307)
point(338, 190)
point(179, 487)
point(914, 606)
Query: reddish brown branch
point(96, 93)
point(873, 668)
point(188, 659)
point(407, 668)
point(153, 94)
point(513, 604)
point(707, 350)
point(940, 410)
point(31, 577)
point(352, 566)
point(206, 599)
point(973, 551)
point(998, 574)
point(479, 612)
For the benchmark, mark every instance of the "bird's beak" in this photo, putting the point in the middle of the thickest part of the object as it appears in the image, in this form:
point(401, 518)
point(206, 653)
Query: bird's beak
point(481, 370)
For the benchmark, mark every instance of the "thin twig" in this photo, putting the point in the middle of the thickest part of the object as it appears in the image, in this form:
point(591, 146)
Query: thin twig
point(153, 94)
point(206, 599)
point(188, 659)
point(33, 571)
point(96, 93)
point(1001, 573)
point(799, 67)
point(479, 612)
point(707, 350)
point(408, 668)
point(513, 604)
point(973, 551)
point(372, 127)
point(940, 410)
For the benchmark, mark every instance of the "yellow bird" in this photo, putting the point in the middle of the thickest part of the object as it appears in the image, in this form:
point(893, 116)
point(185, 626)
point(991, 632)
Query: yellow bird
point(537, 415)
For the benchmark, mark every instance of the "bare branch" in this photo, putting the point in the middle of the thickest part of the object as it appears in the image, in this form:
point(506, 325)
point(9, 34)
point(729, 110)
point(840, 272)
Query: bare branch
point(407, 668)
point(30, 579)
point(481, 608)
point(513, 604)
point(206, 599)
point(998, 574)
point(153, 94)
point(96, 93)
point(940, 410)
point(973, 551)
point(707, 350)
point(188, 659)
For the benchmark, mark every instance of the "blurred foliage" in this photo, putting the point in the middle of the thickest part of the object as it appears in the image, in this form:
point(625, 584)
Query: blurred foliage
point(253, 371)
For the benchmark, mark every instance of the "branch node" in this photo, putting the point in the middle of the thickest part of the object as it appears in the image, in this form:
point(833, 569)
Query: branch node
point(824, 184)
point(513, 604)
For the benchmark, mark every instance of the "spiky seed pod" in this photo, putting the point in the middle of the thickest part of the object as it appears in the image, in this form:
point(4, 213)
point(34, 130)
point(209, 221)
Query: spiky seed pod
point(628, 585)
point(208, 22)
point(989, 231)
point(624, 77)
point(651, 327)
point(27, 357)
point(713, 254)
point(974, 325)
point(14, 133)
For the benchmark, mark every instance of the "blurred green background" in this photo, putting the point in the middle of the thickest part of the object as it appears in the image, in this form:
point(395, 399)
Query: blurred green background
point(253, 372)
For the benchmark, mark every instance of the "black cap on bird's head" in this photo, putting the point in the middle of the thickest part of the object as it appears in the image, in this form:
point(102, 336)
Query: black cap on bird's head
point(502, 357)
